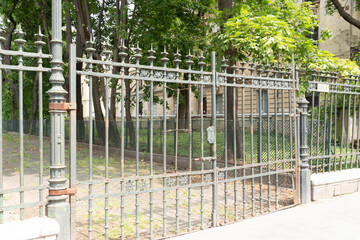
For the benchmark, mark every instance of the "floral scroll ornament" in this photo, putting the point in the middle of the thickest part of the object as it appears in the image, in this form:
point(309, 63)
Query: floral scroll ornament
point(264, 83)
point(129, 186)
point(170, 182)
point(208, 178)
point(171, 76)
point(144, 73)
point(183, 181)
point(255, 82)
point(221, 79)
point(159, 74)
point(207, 78)
point(347, 89)
point(143, 185)
point(312, 86)
point(221, 176)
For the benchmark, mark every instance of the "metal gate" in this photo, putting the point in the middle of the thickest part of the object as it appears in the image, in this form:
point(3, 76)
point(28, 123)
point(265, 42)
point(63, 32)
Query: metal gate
point(234, 156)
point(212, 168)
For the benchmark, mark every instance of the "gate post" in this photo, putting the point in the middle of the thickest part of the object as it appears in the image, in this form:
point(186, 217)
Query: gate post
point(57, 206)
point(305, 173)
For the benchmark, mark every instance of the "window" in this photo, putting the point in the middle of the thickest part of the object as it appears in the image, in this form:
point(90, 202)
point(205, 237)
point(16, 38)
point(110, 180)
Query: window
point(140, 108)
point(262, 101)
point(175, 107)
point(204, 106)
point(154, 109)
point(219, 104)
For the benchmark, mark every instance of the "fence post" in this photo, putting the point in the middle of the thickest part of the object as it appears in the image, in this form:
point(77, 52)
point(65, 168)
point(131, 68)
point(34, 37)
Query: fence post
point(57, 206)
point(305, 173)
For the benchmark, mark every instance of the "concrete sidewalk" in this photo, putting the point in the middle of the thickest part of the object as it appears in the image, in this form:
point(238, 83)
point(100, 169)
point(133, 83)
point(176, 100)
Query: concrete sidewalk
point(336, 218)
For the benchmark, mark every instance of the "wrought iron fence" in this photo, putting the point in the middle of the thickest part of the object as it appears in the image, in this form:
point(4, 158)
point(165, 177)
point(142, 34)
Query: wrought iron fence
point(176, 175)
point(14, 195)
point(334, 123)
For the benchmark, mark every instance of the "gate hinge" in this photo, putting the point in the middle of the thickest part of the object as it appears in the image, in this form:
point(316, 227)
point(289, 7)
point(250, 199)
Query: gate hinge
point(68, 191)
point(62, 106)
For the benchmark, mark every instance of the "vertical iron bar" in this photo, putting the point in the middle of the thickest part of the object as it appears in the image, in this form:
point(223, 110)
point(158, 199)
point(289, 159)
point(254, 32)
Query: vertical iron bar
point(342, 130)
point(318, 128)
point(353, 131)
point(330, 129)
point(21, 42)
point(251, 69)
point(324, 132)
point(107, 53)
point(151, 58)
point(235, 142)
point(224, 68)
point(164, 60)
point(72, 138)
point(357, 136)
point(268, 149)
point(2, 40)
point(347, 130)
point(202, 64)
point(177, 61)
point(335, 131)
point(260, 150)
point(39, 43)
point(291, 127)
point(243, 146)
point(213, 146)
point(283, 125)
point(90, 51)
point(312, 134)
point(276, 152)
point(189, 62)
point(122, 159)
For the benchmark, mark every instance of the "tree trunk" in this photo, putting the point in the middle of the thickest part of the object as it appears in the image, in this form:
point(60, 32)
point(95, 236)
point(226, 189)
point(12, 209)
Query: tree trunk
point(13, 103)
point(68, 43)
point(34, 105)
point(226, 5)
point(80, 127)
point(129, 122)
point(99, 116)
point(183, 108)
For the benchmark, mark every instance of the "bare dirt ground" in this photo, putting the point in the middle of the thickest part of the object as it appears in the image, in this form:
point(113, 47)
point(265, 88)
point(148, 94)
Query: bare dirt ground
point(183, 209)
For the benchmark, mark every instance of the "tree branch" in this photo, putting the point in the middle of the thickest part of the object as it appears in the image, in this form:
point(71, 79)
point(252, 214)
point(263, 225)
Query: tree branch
point(346, 16)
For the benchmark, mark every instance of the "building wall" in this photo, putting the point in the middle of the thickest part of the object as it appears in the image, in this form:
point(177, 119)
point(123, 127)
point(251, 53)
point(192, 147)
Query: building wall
point(344, 36)
point(158, 92)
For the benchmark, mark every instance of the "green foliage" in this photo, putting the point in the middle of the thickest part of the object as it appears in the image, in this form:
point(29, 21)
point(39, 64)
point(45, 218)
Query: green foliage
point(272, 31)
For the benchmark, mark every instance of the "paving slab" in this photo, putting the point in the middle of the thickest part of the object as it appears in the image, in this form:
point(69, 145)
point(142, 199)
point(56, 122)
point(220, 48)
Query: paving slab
point(335, 218)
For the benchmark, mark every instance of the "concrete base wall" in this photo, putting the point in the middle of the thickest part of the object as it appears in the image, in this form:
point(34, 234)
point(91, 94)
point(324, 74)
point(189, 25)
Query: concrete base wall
point(327, 185)
point(34, 228)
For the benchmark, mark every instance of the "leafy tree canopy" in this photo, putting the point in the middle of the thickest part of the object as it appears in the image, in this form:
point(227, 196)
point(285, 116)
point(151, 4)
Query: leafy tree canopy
point(273, 30)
